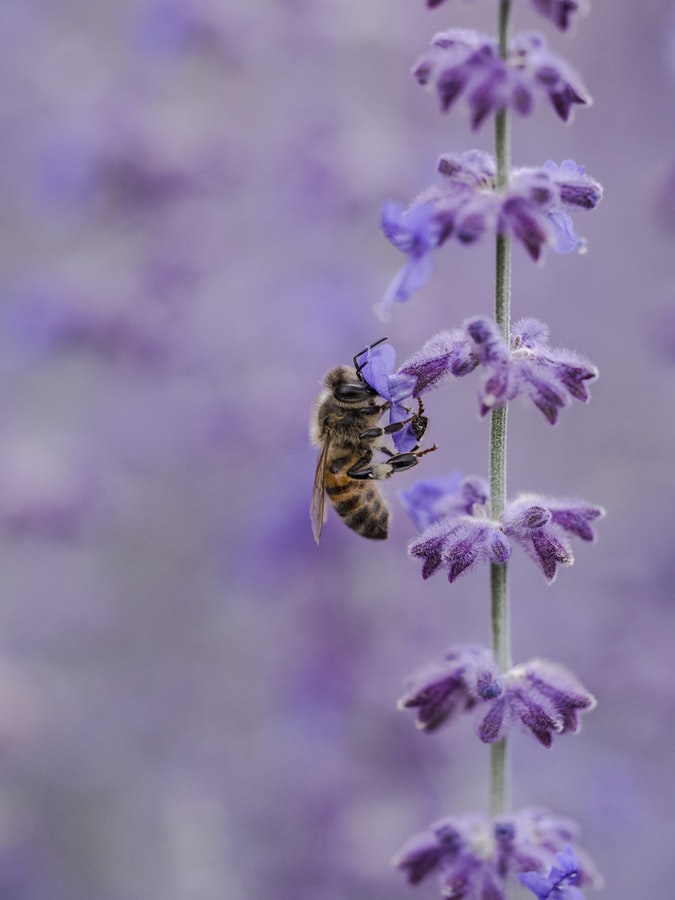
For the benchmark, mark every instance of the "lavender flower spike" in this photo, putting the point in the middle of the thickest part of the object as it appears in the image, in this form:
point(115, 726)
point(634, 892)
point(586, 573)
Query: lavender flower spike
point(562, 881)
point(467, 677)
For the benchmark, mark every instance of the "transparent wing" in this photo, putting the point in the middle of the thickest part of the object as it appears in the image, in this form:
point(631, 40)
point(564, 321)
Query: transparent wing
point(317, 510)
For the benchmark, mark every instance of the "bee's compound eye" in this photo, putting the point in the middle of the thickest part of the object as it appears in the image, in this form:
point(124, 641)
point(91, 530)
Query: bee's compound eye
point(352, 393)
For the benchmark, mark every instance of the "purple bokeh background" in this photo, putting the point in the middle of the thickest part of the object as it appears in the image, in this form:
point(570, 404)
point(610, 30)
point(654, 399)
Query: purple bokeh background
point(196, 703)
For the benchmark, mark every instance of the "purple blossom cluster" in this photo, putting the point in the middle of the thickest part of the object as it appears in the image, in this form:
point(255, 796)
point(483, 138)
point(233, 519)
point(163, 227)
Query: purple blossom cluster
point(538, 696)
point(534, 209)
point(475, 858)
point(457, 532)
point(549, 377)
point(466, 63)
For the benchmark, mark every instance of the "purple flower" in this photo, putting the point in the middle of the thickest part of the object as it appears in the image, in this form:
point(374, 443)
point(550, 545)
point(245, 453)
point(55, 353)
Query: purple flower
point(448, 354)
point(475, 858)
point(546, 72)
point(538, 202)
point(456, 544)
point(467, 677)
point(528, 841)
point(415, 232)
point(561, 12)
point(549, 377)
point(542, 525)
point(466, 63)
point(561, 881)
point(378, 370)
point(459, 849)
point(576, 189)
point(533, 209)
point(542, 697)
point(458, 533)
point(426, 501)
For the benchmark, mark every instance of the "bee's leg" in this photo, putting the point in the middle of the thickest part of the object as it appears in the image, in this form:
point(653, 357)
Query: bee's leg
point(419, 425)
point(403, 461)
point(397, 463)
point(362, 470)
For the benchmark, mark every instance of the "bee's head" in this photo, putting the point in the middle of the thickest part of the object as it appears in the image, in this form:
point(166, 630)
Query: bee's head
point(348, 386)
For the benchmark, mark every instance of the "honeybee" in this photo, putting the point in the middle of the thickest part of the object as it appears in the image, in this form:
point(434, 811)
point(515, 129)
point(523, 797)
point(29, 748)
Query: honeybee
point(345, 426)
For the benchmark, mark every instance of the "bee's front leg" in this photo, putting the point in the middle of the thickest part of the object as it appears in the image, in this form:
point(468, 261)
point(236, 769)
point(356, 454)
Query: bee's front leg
point(418, 422)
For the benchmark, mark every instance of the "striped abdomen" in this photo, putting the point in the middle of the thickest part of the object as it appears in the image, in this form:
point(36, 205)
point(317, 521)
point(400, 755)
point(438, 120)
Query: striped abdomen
point(359, 504)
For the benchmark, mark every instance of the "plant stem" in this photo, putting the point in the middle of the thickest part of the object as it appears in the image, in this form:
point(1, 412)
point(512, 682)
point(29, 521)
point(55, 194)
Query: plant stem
point(501, 632)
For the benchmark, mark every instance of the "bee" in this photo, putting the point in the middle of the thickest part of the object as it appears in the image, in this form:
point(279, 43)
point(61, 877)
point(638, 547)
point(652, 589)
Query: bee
point(345, 426)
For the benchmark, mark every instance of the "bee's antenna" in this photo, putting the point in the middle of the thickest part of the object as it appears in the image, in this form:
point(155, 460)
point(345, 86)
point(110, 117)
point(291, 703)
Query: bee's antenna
point(357, 365)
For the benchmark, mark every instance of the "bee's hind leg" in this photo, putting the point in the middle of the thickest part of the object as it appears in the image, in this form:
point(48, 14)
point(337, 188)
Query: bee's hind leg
point(396, 463)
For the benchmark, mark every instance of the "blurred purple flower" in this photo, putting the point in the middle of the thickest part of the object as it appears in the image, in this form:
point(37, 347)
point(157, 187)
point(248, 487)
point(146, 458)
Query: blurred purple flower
point(467, 677)
point(53, 318)
point(536, 65)
point(46, 488)
point(378, 370)
point(457, 532)
point(562, 880)
point(426, 501)
point(533, 209)
point(466, 63)
point(543, 697)
point(475, 857)
point(561, 12)
point(414, 231)
point(577, 191)
point(165, 27)
point(549, 377)
point(538, 201)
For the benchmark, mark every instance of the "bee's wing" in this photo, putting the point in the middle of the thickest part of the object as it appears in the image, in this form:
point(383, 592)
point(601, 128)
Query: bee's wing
point(317, 510)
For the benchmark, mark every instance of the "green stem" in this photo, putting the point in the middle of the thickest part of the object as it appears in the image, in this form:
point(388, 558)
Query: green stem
point(501, 632)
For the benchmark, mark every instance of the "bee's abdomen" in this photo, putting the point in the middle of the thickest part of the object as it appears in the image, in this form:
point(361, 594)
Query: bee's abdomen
point(360, 505)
